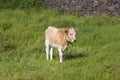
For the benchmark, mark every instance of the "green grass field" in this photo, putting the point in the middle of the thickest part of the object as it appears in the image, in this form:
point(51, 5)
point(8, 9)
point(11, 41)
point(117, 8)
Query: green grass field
point(94, 56)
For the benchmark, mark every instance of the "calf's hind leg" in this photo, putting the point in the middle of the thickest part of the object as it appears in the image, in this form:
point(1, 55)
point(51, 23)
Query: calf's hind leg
point(51, 53)
point(47, 49)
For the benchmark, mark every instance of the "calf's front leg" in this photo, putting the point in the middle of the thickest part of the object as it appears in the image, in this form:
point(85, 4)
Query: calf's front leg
point(60, 54)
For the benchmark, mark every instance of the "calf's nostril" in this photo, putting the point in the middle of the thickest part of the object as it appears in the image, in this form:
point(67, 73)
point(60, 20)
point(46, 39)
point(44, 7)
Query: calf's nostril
point(75, 40)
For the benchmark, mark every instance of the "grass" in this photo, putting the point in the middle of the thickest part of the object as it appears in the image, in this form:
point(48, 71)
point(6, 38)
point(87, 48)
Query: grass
point(95, 55)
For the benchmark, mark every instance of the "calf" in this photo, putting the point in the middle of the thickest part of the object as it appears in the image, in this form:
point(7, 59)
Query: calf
point(58, 38)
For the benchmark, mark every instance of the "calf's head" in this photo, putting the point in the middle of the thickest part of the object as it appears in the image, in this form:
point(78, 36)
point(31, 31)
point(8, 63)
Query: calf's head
point(71, 34)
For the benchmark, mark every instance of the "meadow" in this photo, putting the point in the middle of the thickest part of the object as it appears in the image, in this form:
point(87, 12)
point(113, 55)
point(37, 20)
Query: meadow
point(94, 56)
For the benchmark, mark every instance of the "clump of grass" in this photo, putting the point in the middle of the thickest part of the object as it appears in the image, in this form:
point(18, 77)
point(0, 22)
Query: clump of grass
point(5, 26)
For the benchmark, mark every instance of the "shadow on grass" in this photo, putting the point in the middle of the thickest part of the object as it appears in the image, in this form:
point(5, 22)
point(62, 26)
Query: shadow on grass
point(74, 56)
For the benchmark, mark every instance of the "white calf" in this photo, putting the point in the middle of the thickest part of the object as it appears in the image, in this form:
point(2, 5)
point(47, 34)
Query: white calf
point(59, 39)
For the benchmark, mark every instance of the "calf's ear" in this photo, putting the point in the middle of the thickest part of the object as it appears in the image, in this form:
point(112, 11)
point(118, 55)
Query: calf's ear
point(66, 31)
point(77, 30)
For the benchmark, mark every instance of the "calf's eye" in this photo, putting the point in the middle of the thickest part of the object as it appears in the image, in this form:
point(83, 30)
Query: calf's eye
point(71, 34)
